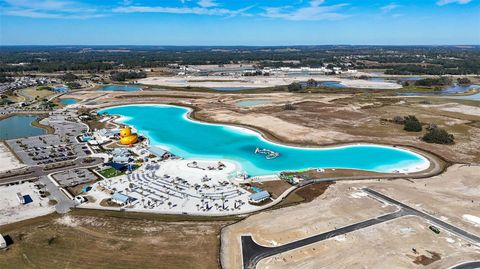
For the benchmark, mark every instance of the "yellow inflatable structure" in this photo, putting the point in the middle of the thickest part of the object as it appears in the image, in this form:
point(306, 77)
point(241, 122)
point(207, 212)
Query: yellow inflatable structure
point(126, 136)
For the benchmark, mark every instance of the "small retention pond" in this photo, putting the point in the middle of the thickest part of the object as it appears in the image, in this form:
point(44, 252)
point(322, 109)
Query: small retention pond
point(68, 101)
point(19, 126)
point(127, 88)
point(248, 103)
point(450, 90)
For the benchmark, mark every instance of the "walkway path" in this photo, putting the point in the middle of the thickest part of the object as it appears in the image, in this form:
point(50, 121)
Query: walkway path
point(64, 203)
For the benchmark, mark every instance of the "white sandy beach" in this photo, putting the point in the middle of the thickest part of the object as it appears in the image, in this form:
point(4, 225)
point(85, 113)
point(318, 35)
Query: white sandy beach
point(259, 82)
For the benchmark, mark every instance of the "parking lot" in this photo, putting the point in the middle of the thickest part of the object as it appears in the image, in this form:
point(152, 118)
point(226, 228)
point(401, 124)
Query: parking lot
point(45, 149)
point(74, 177)
point(64, 124)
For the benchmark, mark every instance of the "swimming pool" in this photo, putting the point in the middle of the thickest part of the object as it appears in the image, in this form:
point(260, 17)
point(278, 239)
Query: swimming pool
point(127, 88)
point(169, 127)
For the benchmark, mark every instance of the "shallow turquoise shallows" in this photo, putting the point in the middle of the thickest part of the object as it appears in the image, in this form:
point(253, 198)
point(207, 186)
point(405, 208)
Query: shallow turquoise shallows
point(19, 126)
point(247, 103)
point(475, 96)
point(170, 128)
point(68, 101)
point(126, 88)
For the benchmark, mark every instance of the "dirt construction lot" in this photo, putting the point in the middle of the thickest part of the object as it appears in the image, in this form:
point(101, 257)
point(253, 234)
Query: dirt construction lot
point(452, 197)
point(106, 242)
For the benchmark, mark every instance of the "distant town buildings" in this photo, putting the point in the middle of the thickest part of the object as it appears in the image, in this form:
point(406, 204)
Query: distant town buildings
point(24, 82)
point(250, 70)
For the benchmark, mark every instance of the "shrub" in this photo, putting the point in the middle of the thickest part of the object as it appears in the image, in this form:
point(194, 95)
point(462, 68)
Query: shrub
point(441, 81)
point(289, 106)
point(464, 81)
point(412, 124)
point(438, 136)
point(294, 87)
point(311, 83)
point(398, 120)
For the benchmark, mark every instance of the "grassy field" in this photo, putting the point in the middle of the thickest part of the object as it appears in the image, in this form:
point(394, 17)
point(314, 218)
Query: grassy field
point(33, 93)
point(82, 240)
point(110, 172)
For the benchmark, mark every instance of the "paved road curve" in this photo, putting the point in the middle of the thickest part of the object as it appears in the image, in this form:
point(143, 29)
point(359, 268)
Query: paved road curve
point(252, 252)
point(467, 265)
point(460, 232)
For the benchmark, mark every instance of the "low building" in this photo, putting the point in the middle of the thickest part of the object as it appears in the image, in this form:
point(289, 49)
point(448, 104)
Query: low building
point(259, 197)
point(121, 199)
point(120, 152)
point(3, 243)
point(160, 153)
point(120, 159)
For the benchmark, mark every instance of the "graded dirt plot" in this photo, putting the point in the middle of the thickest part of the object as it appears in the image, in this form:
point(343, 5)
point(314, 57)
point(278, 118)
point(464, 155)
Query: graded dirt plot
point(451, 196)
point(106, 242)
point(366, 249)
point(327, 212)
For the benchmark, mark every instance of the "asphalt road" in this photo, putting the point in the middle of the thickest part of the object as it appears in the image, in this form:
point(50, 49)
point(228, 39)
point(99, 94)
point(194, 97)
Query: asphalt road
point(252, 252)
point(467, 265)
point(442, 224)
point(38, 171)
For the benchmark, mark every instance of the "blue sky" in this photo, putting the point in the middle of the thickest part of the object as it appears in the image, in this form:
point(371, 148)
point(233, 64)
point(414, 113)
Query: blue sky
point(239, 22)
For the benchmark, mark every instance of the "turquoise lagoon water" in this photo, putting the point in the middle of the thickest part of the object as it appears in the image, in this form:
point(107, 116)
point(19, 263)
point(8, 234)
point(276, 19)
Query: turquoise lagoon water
point(68, 101)
point(127, 88)
point(449, 90)
point(247, 103)
point(475, 97)
point(170, 128)
point(19, 126)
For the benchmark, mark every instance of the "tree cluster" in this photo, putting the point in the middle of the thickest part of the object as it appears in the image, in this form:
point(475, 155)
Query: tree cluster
point(122, 76)
point(438, 136)
point(412, 124)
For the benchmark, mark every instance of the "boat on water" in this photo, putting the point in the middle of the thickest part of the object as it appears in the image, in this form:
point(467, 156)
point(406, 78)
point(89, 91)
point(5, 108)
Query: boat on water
point(269, 154)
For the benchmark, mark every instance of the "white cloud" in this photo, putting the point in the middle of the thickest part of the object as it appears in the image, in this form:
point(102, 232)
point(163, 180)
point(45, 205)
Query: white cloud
point(389, 7)
point(205, 7)
point(207, 3)
point(314, 11)
point(446, 2)
point(50, 9)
